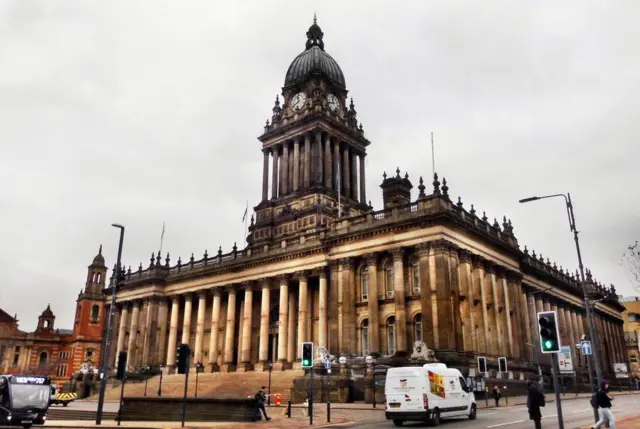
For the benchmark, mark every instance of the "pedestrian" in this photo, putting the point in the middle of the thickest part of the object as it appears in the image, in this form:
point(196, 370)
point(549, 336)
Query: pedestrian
point(535, 400)
point(496, 395)
point(260, 397)
point(603, 400)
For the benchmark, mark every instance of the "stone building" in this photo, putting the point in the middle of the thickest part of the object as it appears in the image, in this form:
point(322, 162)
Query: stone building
point(631, 317)
point(352, 279)
point(58, 353)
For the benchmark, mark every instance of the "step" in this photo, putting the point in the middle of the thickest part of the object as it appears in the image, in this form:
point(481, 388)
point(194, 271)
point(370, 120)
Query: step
point(71, 414)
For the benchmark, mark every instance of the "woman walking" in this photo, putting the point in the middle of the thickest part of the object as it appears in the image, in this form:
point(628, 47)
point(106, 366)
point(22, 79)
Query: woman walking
point(603, 400)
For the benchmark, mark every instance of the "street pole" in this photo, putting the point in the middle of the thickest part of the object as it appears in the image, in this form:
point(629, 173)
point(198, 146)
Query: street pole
point(107, 340)
point(556, 388)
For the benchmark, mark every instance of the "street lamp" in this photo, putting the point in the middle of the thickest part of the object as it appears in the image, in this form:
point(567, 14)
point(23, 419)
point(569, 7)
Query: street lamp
point(371, 361)
point(160, 384)
point(107, 339)
point(269, 391)
point(572, 226)
point(199, 368)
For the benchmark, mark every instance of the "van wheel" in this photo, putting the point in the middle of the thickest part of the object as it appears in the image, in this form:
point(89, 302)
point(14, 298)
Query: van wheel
point(473, 412)
point(397, 422)
point(435, 417)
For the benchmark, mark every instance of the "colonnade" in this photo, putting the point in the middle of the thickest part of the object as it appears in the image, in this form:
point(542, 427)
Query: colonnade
point(313, 159)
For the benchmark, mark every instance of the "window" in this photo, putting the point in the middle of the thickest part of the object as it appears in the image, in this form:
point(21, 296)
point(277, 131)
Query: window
point(16, 356)
point(89, 353)
point(47, 324)
point(417, 327)
point(388, 278)
point(42, 362)
point(364, 284)
point(95, 312)
point(62, 370)
point(415, 275)
point(632, 317)
point(634, 359)
point(391, 335)
point(365, 337)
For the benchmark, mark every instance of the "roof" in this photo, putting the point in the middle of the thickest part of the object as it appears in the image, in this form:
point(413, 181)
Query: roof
point(314, 61)
point(6, 317)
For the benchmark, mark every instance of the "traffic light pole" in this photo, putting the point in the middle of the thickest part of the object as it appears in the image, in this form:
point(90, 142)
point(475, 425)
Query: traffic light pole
point(186, 387)
point(556, 388)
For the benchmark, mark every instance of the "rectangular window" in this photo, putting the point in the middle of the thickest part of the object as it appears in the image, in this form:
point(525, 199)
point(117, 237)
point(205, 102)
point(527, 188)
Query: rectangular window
point(365, 286)
point(391, 339)
point(365, 340)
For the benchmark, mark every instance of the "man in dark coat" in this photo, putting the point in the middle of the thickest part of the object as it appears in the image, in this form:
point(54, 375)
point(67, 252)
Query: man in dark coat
point(535, 400)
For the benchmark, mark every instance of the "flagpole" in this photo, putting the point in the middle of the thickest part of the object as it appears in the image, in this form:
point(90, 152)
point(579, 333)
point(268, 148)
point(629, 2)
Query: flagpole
point(161, 238)
point(245, 225)
point(433, 156)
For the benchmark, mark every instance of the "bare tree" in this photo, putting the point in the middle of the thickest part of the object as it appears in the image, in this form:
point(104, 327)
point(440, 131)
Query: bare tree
point(631, 261)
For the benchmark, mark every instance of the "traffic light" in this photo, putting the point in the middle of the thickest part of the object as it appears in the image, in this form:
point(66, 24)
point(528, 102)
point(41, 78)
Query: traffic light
point(307, 355)
point(482, 364)
point(549, 335)
point(122, 365)
point(183, 358)
point(502, 364)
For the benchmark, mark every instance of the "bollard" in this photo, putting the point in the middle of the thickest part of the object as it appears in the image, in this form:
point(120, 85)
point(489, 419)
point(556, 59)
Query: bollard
point(278, 396)
point(289, 409)
point(328, 412)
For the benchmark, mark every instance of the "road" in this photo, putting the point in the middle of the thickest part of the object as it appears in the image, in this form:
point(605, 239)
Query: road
point(576, 413)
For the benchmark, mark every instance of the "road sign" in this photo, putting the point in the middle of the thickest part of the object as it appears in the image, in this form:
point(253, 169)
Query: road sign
point(585, 346)
point(565, 362)
point(327, 364)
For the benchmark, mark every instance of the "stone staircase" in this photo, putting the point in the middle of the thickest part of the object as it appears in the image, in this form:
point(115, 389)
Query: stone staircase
point(220, 385)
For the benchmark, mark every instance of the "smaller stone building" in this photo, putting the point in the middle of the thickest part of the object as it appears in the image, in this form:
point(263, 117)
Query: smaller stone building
point(58, 353)
point(632, 332)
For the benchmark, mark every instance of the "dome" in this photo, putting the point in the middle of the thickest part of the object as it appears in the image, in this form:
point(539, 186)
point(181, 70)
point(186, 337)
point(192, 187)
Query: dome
point(47, 312)
point(314, 61)
point(99, 259)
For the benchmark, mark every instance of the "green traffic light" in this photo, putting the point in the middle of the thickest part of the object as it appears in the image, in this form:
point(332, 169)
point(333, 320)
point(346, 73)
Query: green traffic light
point(548, 344)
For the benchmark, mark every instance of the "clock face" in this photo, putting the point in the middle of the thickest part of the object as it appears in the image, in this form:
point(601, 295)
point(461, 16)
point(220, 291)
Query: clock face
point(333, 103)
point(298, 101)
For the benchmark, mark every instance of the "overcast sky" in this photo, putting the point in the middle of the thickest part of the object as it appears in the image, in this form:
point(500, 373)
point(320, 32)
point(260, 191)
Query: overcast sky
point(141, 112)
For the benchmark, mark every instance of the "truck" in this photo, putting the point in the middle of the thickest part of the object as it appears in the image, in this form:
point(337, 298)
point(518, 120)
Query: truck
point(427, 393)
point(61, 398)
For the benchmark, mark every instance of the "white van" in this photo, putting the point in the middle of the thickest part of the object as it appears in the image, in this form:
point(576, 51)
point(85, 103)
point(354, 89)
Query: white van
point(427, 393)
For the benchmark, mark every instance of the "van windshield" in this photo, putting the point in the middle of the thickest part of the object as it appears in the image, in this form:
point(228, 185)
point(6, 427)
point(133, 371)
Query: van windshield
point(30, 396)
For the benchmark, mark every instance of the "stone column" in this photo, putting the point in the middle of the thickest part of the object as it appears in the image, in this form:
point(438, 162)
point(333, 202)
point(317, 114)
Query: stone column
point(466, 300)
point(292, 165)
point(336, 164)
point(141, 334)
point(488, 286)
point(263, 352)
point(133, 334)
point(372, 302)
point(354, 176)
point(149, 331)
point(363, 188)
point(230, 331)
point(328, 170)
point(202, 308)
point(399, 299)
point(296, 164)
point(274, 173)
point(163, 321)
point(122, 331)
point(302, 312)
point(186, 321)
point(480, 310)
point(285, 169)
point(283, 322)
point(265, 175)
point(322, 311)
point(173, 333)
point(291, 330)
point(317, 167)
point(215, 331)
point(346, 185)
point(245, 364)
point(307, 161)
point(426, 298)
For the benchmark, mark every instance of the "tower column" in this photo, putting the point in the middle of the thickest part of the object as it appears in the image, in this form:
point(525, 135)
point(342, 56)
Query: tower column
point(122, 331)
point(291, 330)
point(336, 164)
point(283, 321)
point(265, 175)
point(202, 307)
point(322, 311)
point(163, 313)
point(285, 169)
point(186, 321)
point(363, 188)
point(307, 161)
point(230, 331)
point(399, 299)
point(328, 174)
point(133, 331)
point(354, 175)
point(215, 331)
point(296, 164)
point(173, 332)
point(149, 331)
point(317, 169)
point(302, 312)
point(263, 351)
point(346, 185)
point(274, 173)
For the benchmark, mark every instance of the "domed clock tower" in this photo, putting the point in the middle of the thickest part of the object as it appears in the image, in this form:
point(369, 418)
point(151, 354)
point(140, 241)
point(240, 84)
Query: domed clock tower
point(314, 150)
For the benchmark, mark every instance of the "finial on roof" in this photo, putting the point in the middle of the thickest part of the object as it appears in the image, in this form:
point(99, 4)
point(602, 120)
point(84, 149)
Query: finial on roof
point(526, 251)
point(459, 203)
point(100, 250)
point(398, 172)
point(445, 188)
point(421, 188)
point(315, 18)
point(436, 184)
point(384, 175)
point(473, 210)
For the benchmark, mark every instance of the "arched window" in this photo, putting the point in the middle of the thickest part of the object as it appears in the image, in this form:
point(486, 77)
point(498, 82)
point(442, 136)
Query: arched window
point(415, 276)
point(365, 337)
point(364, 284)
point(391, 335)
point(95, 312)
point(388, 278)
point(417, 327)
point(43, 359)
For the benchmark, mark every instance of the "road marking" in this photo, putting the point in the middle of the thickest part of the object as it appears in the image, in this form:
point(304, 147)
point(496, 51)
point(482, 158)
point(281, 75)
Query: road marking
point(549, 416)
point(505, 424)
point(515, 410)
point(487, 414)
point(581, 411)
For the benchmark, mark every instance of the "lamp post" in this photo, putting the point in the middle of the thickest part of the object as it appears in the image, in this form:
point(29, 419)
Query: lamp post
point(160, 384)
point(371, 361)
point(269, 391)
point(572, 227)
point(107, 340)
point(199, 367)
